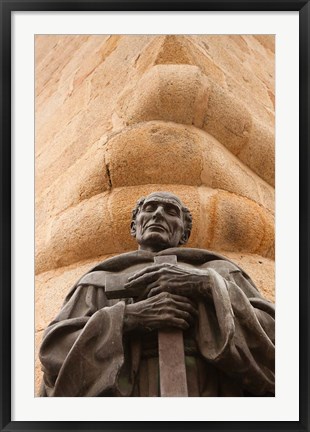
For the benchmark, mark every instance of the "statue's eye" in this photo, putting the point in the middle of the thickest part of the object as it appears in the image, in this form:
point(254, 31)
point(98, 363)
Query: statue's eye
point(172, 211)
point(149, 208)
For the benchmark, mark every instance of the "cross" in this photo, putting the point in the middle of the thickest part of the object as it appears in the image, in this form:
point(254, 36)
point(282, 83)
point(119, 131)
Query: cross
point(172, 372)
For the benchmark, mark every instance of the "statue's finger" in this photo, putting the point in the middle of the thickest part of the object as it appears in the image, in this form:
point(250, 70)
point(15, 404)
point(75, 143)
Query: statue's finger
point(180, 302)
point(170, 320)
point(185, 286)
point(187, 316)
point(179, 323)
point(149, 269)
point(154, 284)
point(154, 291)
point(155, 272)
point(142, 280)
point(152, 276)
point(187, 306)
point(183, 299)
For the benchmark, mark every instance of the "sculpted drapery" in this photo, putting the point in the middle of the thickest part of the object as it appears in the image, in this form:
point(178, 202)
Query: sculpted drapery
point(229, 345)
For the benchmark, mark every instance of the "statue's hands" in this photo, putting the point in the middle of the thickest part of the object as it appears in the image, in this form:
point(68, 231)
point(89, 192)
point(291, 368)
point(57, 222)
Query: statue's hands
point(159, 311)
point(191, 283)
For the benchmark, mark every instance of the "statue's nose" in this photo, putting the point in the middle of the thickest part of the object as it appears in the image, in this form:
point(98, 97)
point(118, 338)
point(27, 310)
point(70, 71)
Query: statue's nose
point(159, 212)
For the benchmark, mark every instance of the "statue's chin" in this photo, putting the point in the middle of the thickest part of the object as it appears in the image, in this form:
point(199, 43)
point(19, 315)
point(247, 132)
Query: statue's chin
point(155, 242)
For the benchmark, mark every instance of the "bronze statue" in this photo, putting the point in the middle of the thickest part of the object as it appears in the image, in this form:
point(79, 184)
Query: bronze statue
point(161, 321)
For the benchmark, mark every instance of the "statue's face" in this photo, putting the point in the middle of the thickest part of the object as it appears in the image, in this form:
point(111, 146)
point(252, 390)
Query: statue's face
point(159, 224)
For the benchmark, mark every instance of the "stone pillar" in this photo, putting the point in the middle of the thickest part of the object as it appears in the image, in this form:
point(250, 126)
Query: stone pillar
point(118, 117)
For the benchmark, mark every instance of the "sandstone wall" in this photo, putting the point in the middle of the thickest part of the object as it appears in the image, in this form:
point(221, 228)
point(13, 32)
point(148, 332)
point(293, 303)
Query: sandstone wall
point(118, 117)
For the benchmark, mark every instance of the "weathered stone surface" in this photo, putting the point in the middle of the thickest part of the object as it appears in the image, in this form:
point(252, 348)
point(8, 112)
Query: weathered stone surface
point(75, 101)
point(84, 179)
point(249, 70)
point(178, 50)
point(223, 171)
point(133, 157)
point(240, 225)
point(155, 152)
point(177, 93)
point(77, 95)
point(182, 94)
point(78, 233)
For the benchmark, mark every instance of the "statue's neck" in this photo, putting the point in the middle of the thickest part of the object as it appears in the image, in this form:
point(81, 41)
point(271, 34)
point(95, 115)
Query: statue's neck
point(152, 249)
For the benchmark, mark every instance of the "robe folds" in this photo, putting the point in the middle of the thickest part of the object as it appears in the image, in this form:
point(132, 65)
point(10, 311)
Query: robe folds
point(229, 351)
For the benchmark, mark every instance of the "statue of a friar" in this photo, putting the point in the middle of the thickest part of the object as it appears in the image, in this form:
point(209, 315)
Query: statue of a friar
point(162, 320)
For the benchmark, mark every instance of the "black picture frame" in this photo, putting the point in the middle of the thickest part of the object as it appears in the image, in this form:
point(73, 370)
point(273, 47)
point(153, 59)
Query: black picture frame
point(7, 7)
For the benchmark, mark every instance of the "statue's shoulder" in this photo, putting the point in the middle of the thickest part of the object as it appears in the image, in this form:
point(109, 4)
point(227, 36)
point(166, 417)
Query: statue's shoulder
point(209, 259)
point(196, 256)
point(123, 261)
point(222, 266)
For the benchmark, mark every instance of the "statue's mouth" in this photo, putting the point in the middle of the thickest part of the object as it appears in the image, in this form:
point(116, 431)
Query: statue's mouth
point(157, 227)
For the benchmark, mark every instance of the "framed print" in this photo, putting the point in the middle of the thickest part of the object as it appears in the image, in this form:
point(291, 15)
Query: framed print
point(154, 216)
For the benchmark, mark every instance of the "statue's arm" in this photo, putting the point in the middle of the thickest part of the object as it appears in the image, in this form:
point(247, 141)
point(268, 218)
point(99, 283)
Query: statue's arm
point(82, 349)
point(236, 330)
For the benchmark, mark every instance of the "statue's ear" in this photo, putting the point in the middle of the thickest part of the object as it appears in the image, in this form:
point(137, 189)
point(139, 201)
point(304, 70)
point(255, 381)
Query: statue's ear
point(184, 237)
point(133, 228)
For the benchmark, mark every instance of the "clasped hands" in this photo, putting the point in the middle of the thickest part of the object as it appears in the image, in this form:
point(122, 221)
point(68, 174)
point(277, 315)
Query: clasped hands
point(166, 296)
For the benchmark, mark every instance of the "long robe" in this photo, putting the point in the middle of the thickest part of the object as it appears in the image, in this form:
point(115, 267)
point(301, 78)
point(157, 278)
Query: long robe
point(228, 352)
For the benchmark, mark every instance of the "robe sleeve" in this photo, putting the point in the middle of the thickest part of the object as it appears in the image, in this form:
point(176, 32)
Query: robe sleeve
point(82, 349)
point(236, 330)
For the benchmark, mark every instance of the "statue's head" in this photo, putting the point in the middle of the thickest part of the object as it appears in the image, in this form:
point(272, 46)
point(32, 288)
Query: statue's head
point(160, 221)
